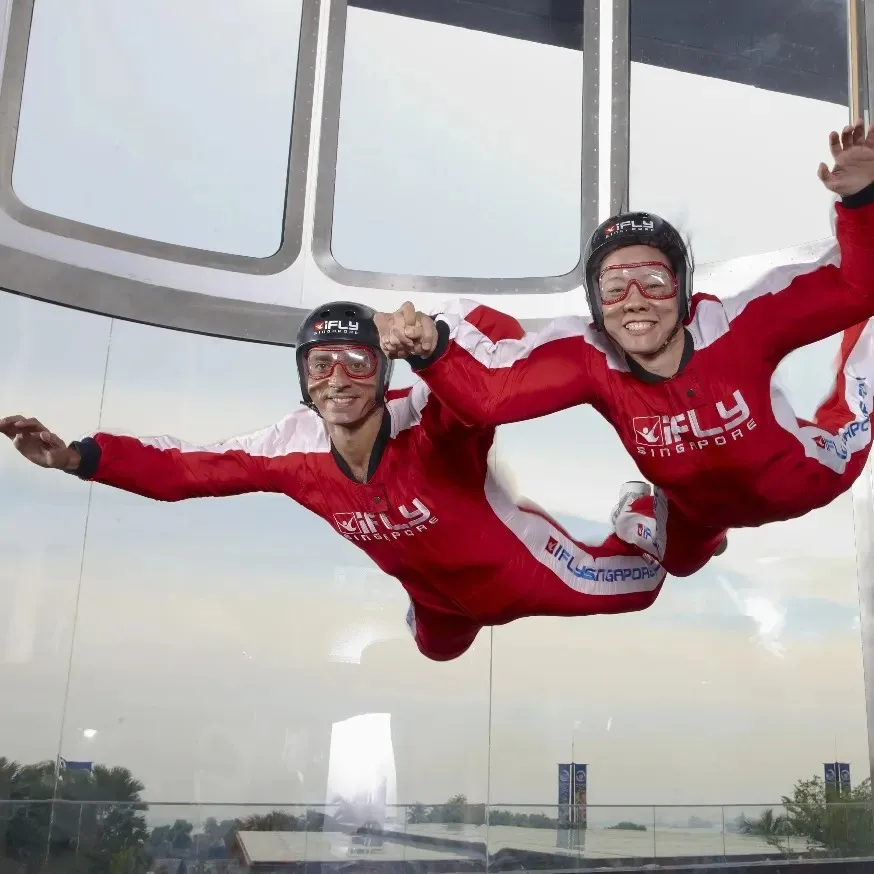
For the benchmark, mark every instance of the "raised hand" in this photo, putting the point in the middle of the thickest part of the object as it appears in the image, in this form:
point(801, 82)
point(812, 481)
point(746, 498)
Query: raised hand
point(37, 444)
point(853, 153)
point(406, 332)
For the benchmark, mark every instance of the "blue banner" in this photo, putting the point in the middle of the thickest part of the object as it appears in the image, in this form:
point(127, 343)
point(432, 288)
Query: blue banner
point(562, 837)
point(76, 766)
point(844, 776)
point(831, 776)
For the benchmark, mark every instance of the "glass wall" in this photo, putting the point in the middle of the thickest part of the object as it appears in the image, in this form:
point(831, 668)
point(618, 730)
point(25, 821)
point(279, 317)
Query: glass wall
point(450, 165)
point(728, 127)
point(244, 665)
point(163, 121)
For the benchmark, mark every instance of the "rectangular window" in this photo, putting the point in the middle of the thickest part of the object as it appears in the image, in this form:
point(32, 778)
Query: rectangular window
point(459, 152)
point(732, 102)
point(163, 120)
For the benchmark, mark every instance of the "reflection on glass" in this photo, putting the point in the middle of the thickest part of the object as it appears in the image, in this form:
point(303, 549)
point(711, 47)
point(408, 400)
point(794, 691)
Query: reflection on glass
point(721, 159)
point(217, 625)
point(53, 363)
point(663, 703)
point(459, 152)
point(164, 120)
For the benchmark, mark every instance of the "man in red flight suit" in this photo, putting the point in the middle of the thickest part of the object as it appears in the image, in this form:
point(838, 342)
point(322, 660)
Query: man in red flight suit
point(685, 380)
point(396, 473)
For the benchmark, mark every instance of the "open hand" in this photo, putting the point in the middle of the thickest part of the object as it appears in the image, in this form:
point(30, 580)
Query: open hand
point(853, 152)
point(37, 444)
point(406, 332)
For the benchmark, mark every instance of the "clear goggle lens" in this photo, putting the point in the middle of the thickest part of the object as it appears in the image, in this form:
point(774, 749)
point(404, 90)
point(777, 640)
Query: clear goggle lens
point(359, 362)
point(652, 279)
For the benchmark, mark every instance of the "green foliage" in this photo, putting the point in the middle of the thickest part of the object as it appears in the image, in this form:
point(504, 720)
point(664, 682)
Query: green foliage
point(833, 824)
point(627, 827)
point(458, 811)
point(89, 821)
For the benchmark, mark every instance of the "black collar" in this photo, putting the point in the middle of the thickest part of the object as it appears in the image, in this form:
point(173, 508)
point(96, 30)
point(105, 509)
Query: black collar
point(376, 453)
point(645, 375)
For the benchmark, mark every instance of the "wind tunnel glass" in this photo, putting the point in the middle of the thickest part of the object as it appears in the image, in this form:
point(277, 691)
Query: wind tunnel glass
point(359, 362)
point(652, 279)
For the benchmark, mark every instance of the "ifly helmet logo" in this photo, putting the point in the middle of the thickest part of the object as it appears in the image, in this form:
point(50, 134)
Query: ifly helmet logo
point(648, 430)
point(629, 225)
point(336, 326)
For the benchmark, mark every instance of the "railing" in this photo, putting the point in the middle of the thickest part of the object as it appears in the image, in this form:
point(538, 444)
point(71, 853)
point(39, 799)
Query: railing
point(129, 838)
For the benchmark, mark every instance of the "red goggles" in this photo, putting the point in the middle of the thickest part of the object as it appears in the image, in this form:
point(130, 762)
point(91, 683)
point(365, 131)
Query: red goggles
point(358, 362)
point(652, 279)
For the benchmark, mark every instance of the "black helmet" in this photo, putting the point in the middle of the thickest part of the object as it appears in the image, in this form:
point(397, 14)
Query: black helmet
point(638, 229)
point(341, 322)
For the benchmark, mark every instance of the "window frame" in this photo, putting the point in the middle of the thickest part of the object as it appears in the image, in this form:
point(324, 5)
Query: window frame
point(20, 20)
point(443, 285)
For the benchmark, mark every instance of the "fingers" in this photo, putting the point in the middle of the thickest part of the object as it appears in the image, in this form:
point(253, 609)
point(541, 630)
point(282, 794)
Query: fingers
point(847, 135)
point(12, 425)
point(851, 135)
point(407, 313)
point(17, 428)
point(406, 332)
point(426, 334)
point(869, 140)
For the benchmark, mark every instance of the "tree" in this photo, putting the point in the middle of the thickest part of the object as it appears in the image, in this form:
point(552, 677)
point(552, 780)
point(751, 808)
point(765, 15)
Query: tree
point(417, 814)
point(172, 840)
point(840, 824)
point(774, 829)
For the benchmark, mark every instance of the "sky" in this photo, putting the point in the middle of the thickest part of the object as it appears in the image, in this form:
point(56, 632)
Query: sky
point(213, 646)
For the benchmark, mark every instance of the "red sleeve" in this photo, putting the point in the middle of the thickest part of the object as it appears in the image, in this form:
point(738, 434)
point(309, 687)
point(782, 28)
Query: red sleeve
point(492, 372)
point(167, 469)
point(799, 304)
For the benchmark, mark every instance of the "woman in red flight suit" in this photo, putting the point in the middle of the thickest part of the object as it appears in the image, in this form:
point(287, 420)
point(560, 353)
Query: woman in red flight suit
point(686, 380)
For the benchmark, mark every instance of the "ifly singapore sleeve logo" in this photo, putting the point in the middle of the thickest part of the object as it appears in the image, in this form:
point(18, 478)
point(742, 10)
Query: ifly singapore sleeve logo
point(578, 568)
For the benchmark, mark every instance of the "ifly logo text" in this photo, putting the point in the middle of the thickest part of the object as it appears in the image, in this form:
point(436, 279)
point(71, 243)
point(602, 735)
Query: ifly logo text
point(666, 436)
point(336, 325)
point(607, 575)
point(362, 527)
point(630, 225)
point(862, 425)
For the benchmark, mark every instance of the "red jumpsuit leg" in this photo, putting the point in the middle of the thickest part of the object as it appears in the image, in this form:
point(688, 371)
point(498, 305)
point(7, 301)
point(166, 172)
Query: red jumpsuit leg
point(441, 637)
point(657, 526)
point(846, 412)
point(545, 593)
point(688, 545)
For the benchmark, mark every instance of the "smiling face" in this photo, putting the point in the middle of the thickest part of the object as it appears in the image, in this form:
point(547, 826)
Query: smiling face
point(342, 381)
point(639, 299)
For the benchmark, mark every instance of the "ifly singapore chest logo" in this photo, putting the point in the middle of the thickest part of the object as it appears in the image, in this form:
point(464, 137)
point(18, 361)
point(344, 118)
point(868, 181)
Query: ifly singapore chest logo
point(363, 527)
point(713, 426)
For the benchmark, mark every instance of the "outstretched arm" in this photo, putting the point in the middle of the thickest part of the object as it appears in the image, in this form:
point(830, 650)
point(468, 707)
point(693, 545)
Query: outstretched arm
point(483, 366)
point(799, 304)
point(162, 468)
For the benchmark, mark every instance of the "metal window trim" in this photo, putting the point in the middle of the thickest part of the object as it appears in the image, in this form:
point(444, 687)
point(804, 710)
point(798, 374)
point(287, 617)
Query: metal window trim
point(620, 142)
point(447, 286)
point(11, 94)
point(868, 17)
point(86, 290)
point(862, 44)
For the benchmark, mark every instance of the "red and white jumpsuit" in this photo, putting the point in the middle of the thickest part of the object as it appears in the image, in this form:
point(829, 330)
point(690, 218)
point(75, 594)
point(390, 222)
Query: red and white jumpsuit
point(719, 440)
point(431, 514)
